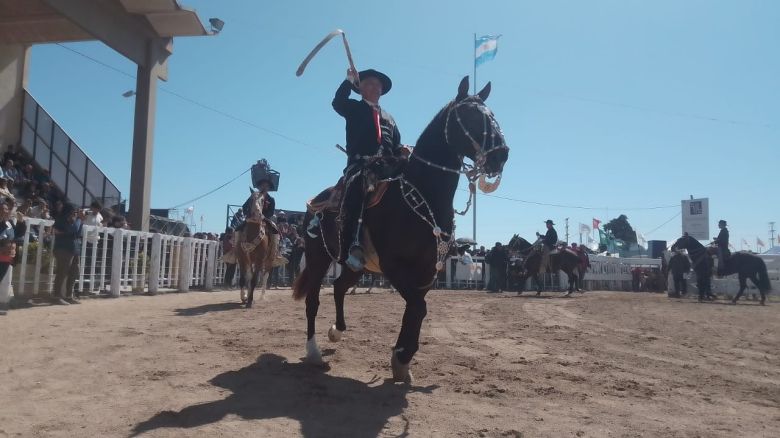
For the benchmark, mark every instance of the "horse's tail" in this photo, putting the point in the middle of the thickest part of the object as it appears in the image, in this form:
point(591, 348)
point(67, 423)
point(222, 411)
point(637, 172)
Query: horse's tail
point(763, 277)
point(303, 284)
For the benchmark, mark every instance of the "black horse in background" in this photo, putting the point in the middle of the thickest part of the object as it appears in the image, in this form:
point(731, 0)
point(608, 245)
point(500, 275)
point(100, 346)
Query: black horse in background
point(560, 260)
point(410, 229)
point(744, 264)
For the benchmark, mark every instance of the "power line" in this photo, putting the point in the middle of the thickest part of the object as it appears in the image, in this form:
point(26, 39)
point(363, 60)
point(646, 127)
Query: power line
point(199, 104)
point(659, 227)
point(578, 207)
point(211, 191)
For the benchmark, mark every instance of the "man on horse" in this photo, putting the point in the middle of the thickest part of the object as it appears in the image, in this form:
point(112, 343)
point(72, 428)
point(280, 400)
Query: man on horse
point(371, 133)
point(722, 242)
point(549, 240)
point(268, 207)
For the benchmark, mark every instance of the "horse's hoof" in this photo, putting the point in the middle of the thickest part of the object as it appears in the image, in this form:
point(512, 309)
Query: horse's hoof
point(334, 334)
point(401, 373)
point(313, 353)
point(248, 304)
point(733, 301)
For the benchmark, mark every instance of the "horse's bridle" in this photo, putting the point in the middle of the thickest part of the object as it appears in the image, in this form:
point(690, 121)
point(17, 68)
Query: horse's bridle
point(477, 170)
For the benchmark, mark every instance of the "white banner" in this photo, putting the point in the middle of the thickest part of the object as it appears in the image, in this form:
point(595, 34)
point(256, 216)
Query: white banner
point(696, 218)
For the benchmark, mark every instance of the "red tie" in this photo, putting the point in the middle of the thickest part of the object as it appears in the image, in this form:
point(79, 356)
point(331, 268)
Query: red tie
point(378, 127)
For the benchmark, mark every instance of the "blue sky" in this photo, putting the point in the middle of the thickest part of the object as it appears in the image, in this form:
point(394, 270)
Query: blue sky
point(609, 105)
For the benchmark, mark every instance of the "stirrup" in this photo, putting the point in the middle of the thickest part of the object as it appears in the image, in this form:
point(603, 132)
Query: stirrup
point(355, 261)
point(311, 230)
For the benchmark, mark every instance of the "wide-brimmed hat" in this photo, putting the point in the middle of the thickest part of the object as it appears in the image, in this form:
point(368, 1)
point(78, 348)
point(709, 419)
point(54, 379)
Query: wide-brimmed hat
point(549, 221)
point(387, 84)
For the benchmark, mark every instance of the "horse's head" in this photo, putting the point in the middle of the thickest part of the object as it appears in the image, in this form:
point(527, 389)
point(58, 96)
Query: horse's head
point(256, 212)
point(472, 129)
point(686, 242)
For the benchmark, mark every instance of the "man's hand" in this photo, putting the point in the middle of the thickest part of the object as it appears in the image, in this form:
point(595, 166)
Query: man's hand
point(353, 76)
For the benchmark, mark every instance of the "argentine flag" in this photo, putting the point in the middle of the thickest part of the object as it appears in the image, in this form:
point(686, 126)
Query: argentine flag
point(485, 48)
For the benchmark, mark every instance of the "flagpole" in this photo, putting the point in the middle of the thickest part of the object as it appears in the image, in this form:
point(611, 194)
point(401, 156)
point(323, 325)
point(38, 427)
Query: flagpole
point(474, 212)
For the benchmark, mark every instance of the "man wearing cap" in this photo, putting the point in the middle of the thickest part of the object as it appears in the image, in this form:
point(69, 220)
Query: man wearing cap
point(549, 241)
point(371, 131)
point(723, 246)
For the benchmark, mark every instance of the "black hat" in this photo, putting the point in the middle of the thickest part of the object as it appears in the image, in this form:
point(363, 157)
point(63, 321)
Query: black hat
point(387, 84)
point(722, 222)
point(549, 221)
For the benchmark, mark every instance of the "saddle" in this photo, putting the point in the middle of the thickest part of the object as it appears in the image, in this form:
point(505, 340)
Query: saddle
point(329, 200)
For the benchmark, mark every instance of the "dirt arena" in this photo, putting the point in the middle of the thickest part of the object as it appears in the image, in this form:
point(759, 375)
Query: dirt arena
point(196, 364)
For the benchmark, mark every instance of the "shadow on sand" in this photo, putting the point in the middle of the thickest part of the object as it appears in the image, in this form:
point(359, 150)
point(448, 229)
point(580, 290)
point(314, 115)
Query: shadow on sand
point(207, 308)
point(324, 405)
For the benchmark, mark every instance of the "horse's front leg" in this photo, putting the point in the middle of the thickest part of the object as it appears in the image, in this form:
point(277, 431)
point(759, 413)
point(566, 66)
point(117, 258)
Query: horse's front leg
point(252, 284)
point(242, 284)
point(265, 283)
point(347, 279)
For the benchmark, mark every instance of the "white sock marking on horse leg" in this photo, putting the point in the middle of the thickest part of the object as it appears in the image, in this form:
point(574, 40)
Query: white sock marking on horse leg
point(313, 353)
point(334, 334)
point(265, 282)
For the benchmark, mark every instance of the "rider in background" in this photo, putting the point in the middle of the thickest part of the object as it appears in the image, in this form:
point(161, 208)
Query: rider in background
point(549, 241)
point(268, 207)
point(723, 246)
point(371, 131)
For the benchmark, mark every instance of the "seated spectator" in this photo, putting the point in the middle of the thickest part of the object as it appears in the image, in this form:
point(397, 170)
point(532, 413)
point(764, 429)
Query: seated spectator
point(12, 154)
point(5, 192)
point(28, 174)
point(42, 176)
point(10, 170)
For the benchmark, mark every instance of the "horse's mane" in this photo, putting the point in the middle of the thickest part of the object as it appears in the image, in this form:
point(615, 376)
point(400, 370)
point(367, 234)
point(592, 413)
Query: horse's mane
point(432, 130)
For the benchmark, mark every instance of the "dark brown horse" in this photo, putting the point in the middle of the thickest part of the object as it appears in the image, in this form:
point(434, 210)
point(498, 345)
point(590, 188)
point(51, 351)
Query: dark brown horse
point(744, 264)
point(410, 229)
point(560, 260)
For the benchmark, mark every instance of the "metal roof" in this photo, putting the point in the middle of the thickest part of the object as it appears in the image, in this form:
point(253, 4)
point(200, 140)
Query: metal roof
point(33, 21)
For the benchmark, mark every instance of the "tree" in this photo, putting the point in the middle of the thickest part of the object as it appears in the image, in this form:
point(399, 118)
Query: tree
point(621, 229)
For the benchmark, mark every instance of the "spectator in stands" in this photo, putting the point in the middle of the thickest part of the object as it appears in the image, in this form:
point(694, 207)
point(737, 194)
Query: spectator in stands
point(10, 170)
point(11, 227)
point(27, 173)
point(67, 231)
point(5, 192)
point(7, 256)
point(42, 177)
point(481, 252)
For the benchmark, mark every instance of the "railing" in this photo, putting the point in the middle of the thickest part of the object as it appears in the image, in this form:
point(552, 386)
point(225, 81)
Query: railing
point(116, 261)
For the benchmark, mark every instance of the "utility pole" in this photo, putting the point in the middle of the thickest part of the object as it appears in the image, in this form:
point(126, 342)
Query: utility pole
point(771, 235)
point(567, 232)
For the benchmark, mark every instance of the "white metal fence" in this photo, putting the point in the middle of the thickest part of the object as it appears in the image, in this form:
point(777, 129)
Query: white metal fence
point(114, 261)
point(118, 261)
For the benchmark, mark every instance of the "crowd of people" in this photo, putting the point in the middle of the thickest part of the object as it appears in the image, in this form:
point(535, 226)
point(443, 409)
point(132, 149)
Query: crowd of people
point(27, 191)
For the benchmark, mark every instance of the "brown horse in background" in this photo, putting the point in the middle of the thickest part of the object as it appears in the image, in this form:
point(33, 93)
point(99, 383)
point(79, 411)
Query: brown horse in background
point(255, 250)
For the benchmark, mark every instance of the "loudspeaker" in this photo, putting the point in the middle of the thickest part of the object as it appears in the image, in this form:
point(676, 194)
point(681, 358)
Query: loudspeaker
point(656, 248)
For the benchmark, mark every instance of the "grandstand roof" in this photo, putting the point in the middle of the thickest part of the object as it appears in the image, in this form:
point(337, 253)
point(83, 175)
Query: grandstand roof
point(35, 21)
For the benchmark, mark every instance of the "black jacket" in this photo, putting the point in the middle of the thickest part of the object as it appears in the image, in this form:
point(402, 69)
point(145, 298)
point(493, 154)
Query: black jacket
point(723, 238)
point(362, 137)
point(551, 238)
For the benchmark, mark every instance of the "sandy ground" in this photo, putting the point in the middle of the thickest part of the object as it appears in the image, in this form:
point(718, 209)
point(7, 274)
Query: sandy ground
point(195, 364)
